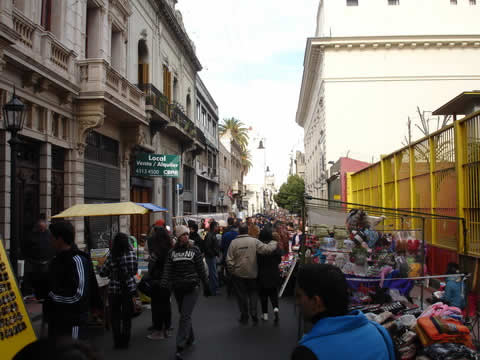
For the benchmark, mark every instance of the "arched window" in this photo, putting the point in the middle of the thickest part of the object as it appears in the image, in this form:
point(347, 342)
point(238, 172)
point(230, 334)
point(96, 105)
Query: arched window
point(189, 106)
point(143, 62)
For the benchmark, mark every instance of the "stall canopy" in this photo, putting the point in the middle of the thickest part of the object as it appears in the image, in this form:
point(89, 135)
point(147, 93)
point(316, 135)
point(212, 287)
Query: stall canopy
point(112, 209)
point(153, 207)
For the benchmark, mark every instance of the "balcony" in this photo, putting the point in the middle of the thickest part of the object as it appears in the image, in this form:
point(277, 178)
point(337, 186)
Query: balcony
point(156, 104)
point(180, 125)
point(122, 99)
point(40, 51)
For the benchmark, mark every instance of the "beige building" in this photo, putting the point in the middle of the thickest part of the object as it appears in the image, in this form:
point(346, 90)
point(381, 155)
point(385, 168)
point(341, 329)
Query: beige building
point(103, 81)
point(236, 190)
point(224, 164)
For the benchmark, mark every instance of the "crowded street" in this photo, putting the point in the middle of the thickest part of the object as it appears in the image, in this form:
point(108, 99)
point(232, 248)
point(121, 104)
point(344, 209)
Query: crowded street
point(254, 179)
point(219, 336)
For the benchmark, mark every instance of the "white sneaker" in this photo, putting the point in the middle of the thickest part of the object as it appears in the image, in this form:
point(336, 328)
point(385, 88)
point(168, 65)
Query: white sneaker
point(275, 310)
point(265, 317)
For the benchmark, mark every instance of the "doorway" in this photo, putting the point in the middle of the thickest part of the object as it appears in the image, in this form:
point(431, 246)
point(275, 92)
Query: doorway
point(27, 210)
point(140, 224)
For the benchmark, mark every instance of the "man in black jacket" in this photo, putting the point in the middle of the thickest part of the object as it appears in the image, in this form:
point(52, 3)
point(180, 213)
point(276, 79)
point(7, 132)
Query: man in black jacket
point(71, 280)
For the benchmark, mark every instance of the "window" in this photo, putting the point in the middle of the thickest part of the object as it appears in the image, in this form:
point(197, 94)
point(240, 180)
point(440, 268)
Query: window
point(209, 124)
point(101, 149)
point(116, 50)
point(187, 178)
point(214, 129)
point(225, 161)
point(167, 83)
point(393, 2)
point(204, 117)
point(199, 112)
point(47, 14)
point(352, 2)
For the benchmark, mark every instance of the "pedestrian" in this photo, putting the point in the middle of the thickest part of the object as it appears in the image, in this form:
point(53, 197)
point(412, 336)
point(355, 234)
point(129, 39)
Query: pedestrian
point(211, 252)
point(38, 252)
point(269, 275)
point(71, 283)
point(197, 240)
point(160, 299)
point(322, 293)
point(253, 230)
point(121, 268)
point(455, 287)
point(183, 273)
point(242, 265)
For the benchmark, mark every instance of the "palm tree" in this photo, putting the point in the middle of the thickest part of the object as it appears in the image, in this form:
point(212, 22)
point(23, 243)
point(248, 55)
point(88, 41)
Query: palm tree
point(246, 158)
point(237, 129)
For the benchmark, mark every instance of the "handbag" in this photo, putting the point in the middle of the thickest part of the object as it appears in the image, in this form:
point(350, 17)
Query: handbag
point(145, 286)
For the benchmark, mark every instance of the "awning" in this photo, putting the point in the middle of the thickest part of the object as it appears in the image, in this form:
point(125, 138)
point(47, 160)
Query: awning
point(121, 208)
point(152, 207)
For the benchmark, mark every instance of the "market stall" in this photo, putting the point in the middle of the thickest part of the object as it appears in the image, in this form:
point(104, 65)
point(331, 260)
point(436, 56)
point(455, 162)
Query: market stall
point(382, 253)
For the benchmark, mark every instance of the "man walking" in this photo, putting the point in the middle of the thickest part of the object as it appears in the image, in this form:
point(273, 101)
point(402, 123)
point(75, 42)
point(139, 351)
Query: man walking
point(242, 265)
point(71, 280)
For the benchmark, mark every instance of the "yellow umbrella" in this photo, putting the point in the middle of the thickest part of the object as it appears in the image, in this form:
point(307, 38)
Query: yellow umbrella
point(112, 209)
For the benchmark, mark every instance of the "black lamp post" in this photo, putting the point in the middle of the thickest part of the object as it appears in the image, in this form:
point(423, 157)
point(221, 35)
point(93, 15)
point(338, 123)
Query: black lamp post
point(13, 117)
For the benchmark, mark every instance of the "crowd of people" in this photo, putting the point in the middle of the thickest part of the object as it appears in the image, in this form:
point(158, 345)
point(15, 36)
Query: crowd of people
point(238, 257)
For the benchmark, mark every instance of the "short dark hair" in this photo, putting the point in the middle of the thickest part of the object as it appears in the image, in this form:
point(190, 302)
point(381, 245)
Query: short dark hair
point(230, 221)
point(64, 230)
point(193, 226)
point(191, 223)
point(213, 226)
point(452, 268)
point(121, 245)
point(328, 282)
point(243, 229)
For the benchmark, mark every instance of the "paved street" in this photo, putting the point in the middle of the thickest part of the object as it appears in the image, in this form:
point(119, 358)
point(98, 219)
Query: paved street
point(218, 335)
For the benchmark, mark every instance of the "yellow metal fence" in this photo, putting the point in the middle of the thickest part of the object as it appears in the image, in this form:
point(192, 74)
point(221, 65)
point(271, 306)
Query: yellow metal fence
point(440, 175)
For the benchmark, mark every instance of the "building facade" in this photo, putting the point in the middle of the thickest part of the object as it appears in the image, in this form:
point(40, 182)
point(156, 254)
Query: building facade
point(237, 189)
point(102, 81)
point(370, 57)
point(206, 170)
point(225, 187)
point(338, 179)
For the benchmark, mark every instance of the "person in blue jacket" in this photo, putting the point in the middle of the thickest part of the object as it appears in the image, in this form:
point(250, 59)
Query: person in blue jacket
point(336, 334)
point(455, 289)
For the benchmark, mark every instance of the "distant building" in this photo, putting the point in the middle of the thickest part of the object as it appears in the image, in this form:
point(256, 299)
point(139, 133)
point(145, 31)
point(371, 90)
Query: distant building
point(225, 164)
point(236, 171)
point(337, 181)
point(300, 164)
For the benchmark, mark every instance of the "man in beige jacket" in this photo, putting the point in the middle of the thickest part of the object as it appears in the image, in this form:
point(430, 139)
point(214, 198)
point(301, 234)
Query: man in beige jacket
point(242, 265)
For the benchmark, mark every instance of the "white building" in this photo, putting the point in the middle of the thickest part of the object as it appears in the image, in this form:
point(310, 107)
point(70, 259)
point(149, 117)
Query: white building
point(369, 67)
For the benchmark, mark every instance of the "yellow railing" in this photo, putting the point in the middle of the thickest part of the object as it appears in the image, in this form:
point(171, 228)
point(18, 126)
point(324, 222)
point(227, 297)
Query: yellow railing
point(440, 175)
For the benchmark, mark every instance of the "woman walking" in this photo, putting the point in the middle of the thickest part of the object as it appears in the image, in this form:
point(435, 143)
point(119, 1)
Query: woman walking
point(184, 271)
point(121, 267)
point(212, 250)
point(161, 307)
point(269, 274)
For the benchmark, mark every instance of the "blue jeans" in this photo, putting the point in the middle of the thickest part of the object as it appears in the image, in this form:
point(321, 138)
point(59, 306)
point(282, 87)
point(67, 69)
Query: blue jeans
point(212, 274)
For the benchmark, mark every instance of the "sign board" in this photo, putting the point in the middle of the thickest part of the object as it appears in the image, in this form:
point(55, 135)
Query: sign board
point(157, 165)
point(16, 330)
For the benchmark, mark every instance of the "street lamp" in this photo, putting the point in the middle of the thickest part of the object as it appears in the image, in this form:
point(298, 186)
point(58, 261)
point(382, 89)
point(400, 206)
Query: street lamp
point(13, 118)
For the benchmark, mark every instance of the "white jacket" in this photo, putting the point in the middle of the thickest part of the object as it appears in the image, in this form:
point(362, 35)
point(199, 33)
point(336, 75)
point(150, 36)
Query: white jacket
point(242, 255)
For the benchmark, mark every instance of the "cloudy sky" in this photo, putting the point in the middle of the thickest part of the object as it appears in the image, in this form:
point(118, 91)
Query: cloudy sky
point(252, 55)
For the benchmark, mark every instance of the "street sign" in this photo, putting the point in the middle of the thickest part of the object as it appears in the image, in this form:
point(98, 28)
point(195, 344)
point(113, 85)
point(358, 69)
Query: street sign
point(157, 165)
point(180, 188)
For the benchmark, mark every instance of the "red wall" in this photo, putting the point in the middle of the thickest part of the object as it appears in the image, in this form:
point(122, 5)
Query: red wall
point(349, 165)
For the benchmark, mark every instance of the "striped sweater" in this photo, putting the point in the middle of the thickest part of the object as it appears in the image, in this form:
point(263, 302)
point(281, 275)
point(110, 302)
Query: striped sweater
point(184, 264)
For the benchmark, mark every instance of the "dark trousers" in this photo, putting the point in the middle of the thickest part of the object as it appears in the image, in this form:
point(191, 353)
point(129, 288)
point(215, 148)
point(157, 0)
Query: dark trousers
point(186, 301)
point(161, 309)
point(121, 310)
point(58, 329)
point(247, 296)
point(268, 293)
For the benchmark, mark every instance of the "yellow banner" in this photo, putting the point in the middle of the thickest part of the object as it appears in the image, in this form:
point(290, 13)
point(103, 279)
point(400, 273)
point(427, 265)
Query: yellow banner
point(16, 330)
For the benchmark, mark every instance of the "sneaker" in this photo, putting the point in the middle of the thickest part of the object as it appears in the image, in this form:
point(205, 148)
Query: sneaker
point(157, 335)
point(265, 317)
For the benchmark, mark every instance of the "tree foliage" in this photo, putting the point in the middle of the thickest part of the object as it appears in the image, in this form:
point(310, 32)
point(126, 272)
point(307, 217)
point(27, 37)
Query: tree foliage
point(291, 194)
point(246, 160)
point(237, 129)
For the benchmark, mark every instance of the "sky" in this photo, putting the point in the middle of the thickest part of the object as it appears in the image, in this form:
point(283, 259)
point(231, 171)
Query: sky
point(252, 53)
